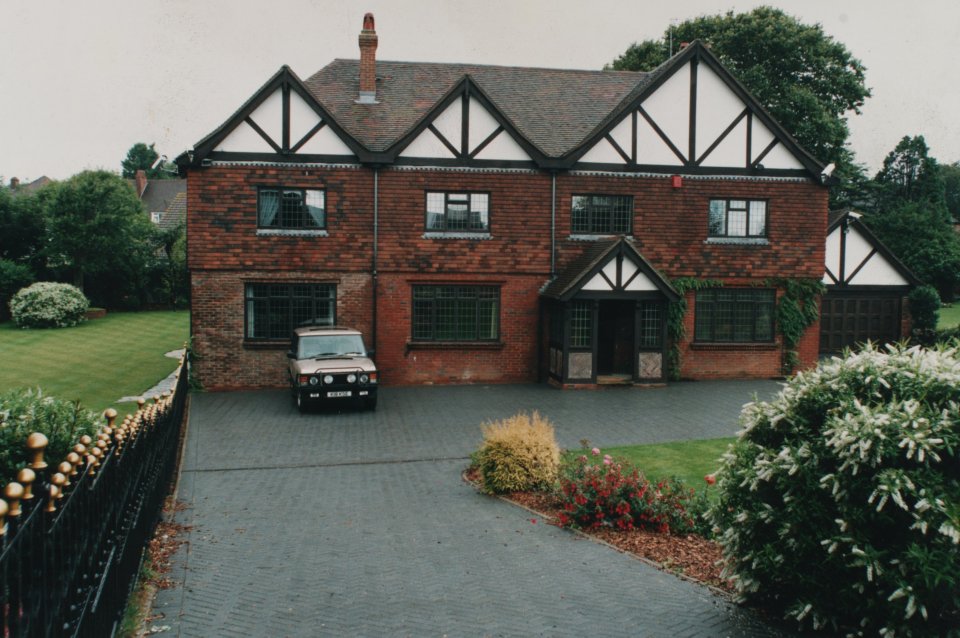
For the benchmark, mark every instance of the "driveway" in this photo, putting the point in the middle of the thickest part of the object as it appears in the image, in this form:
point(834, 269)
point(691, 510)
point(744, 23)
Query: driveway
point(358, 524)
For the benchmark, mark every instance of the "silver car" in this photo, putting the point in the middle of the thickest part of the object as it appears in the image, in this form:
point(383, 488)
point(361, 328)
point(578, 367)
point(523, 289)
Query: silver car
point(331, 364)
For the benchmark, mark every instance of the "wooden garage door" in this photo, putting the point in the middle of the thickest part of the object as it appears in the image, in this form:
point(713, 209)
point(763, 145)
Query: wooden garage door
point(847, 320)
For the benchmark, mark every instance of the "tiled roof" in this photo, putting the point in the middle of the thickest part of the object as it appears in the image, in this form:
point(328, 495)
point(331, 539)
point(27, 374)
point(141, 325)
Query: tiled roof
point(555, 109)
point(176, 213)
point(160, 193)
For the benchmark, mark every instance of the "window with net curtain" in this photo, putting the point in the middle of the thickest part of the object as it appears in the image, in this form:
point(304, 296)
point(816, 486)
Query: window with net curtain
point(292, 208)
point(456, 313)
point(273, 310)
point(458, 212)
point(738, 218)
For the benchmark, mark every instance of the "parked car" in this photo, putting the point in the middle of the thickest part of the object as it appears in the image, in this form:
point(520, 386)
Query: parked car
point(331, 364)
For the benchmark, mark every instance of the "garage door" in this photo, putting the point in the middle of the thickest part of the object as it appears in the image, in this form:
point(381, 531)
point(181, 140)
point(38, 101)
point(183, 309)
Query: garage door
point(847, 320)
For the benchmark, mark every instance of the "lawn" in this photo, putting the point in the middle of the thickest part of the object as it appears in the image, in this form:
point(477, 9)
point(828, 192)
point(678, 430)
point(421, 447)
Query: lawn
point(949, 316)
point(687, 460)
point(96, 362)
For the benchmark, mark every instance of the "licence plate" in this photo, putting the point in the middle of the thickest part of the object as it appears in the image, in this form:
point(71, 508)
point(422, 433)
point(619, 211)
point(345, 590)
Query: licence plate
point(335, 395)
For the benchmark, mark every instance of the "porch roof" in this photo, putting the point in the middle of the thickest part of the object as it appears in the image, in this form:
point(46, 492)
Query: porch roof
point(593, 260)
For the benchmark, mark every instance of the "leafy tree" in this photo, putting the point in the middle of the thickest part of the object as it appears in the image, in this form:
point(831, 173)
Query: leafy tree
point(142, 157)
point(909, 174)
point(100, 234)
point(951, 184)
point(23, 227)
point(807, 80)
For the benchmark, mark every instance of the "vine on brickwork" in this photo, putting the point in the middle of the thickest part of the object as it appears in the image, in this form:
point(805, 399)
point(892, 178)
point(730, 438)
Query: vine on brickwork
point(675, 317)
point(797, 310)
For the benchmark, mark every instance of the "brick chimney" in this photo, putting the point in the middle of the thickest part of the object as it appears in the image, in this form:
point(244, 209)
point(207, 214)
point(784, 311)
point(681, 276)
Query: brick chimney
point(140, 177)
point(368, 62)
point(14, 183)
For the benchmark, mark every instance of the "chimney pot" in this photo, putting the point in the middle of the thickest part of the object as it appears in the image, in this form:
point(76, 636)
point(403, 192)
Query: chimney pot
point(368, 62)
point(14, 183)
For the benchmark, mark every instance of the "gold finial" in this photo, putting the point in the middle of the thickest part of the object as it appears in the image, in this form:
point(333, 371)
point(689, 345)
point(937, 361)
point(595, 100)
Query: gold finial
point(37, 443)
point(66, 469)
point(52, 499)
point(80, 449)
point(3, 517)
point(59, 482)
point(140, 403)
point(86, 440)
point(26, 477)
point(13, 493)
point(75, 460)
point(92, 462)
point(110, 415)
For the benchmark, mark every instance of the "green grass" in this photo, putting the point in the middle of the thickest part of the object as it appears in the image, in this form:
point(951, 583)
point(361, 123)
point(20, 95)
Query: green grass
point(96, 362)
point(688, 460)
point(949, 317)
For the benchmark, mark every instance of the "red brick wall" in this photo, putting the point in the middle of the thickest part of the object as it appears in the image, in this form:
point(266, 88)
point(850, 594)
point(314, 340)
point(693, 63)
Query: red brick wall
point(670, 228)
point(226, 361)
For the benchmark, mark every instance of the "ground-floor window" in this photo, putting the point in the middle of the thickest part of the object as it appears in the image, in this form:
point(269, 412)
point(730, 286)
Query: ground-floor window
point(456, 313)
point(273, 310)
point(734, 315)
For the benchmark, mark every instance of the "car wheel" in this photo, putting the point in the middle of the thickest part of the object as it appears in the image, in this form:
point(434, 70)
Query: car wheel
point(371, 404)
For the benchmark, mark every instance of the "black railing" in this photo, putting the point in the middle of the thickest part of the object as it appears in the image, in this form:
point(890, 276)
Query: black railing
point(73, 536)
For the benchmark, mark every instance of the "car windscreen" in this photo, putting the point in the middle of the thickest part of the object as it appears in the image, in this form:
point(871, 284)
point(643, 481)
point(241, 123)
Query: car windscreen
point(313, 346)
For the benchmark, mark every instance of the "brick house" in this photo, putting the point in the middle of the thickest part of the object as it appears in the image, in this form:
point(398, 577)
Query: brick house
point(500, 224)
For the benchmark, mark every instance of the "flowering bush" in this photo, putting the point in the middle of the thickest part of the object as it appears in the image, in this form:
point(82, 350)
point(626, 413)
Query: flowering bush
point(840, 502)
point(518, 453)
point(48, 305)
point(604, 492)
point(23, 412)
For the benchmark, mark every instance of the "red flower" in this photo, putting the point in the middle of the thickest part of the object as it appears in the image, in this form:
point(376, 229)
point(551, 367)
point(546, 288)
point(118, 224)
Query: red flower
point(710, 479)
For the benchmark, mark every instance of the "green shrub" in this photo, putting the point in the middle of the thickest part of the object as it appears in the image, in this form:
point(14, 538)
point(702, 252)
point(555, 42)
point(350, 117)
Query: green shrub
point(840, 502)
point(610, 493)
point(518, 453)
point(13, 277)
point(23, 412)
point(48, 305)
point(924, 308)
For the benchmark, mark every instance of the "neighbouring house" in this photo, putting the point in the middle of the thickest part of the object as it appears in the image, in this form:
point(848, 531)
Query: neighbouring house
point(501, 224)
point(18, 188)
point(867, 288)
point(164, 199)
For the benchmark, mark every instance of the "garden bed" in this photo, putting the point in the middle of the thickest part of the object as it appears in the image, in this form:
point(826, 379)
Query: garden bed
point(689, 556)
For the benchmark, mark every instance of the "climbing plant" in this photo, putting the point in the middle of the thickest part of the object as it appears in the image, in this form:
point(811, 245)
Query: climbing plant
point(675, 316)
point(797, 310)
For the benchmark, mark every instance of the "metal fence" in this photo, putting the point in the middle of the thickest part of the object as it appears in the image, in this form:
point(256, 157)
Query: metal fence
point(73, 534)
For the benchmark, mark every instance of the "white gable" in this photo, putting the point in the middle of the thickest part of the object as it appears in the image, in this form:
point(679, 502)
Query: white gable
point(602, 153)
point(450, 122)
point(503, 147)
point(323, 142)
point(732, 151)
point(243, 139)
point(597, 282)
point(717, 108)
point(482, 124)
point(269, 116)
point(302, 118)
point(669, 107)
point(833, 254)
point(629, 278)
point(862, 265)
point(878, 272)
point(427, 145)
point(780, 157)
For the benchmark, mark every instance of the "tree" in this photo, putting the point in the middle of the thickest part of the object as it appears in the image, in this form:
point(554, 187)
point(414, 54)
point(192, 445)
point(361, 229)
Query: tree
point(23, 226)
point(951, 184)
point(98, 229)
point(143, 157)
point(909, 174)
point(807, 80)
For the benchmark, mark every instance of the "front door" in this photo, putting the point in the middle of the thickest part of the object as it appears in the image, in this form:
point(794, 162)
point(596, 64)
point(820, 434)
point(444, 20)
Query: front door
point(615, 338)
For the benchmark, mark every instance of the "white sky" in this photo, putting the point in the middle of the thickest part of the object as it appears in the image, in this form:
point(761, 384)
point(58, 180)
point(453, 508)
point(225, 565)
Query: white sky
point(82, 81)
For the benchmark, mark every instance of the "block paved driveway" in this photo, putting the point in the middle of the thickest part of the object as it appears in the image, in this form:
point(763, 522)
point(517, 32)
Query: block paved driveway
point(358, 524)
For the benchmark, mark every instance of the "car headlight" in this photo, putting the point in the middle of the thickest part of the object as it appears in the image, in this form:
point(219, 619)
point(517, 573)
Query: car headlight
point(351, 378)
point(328, 379)
point(364, 378)
point(314, 380)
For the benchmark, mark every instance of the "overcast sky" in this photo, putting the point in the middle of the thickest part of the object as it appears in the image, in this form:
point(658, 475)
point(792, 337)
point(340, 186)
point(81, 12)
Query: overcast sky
point(81, 82)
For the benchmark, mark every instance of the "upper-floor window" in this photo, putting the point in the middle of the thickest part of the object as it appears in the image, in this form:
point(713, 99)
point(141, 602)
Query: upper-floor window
point(458, 212)
point(291, 208)
point(602, 214)
point(273, 310)
point(456, 313)
point(734, 315)
point(738, 218)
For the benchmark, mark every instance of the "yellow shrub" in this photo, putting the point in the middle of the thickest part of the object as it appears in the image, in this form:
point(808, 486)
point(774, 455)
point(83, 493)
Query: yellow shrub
point(518, 453)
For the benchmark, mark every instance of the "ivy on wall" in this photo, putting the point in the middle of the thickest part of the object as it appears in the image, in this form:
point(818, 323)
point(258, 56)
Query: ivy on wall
point(797, 310)
point(675, 316)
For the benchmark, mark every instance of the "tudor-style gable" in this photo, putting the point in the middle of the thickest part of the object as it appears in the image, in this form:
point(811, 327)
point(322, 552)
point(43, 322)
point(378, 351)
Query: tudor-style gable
point(693, 116)
point(855, 257)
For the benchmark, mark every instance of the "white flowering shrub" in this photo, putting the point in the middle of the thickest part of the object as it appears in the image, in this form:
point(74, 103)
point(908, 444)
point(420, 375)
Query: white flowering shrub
point(48, 305)
point(840, 501)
